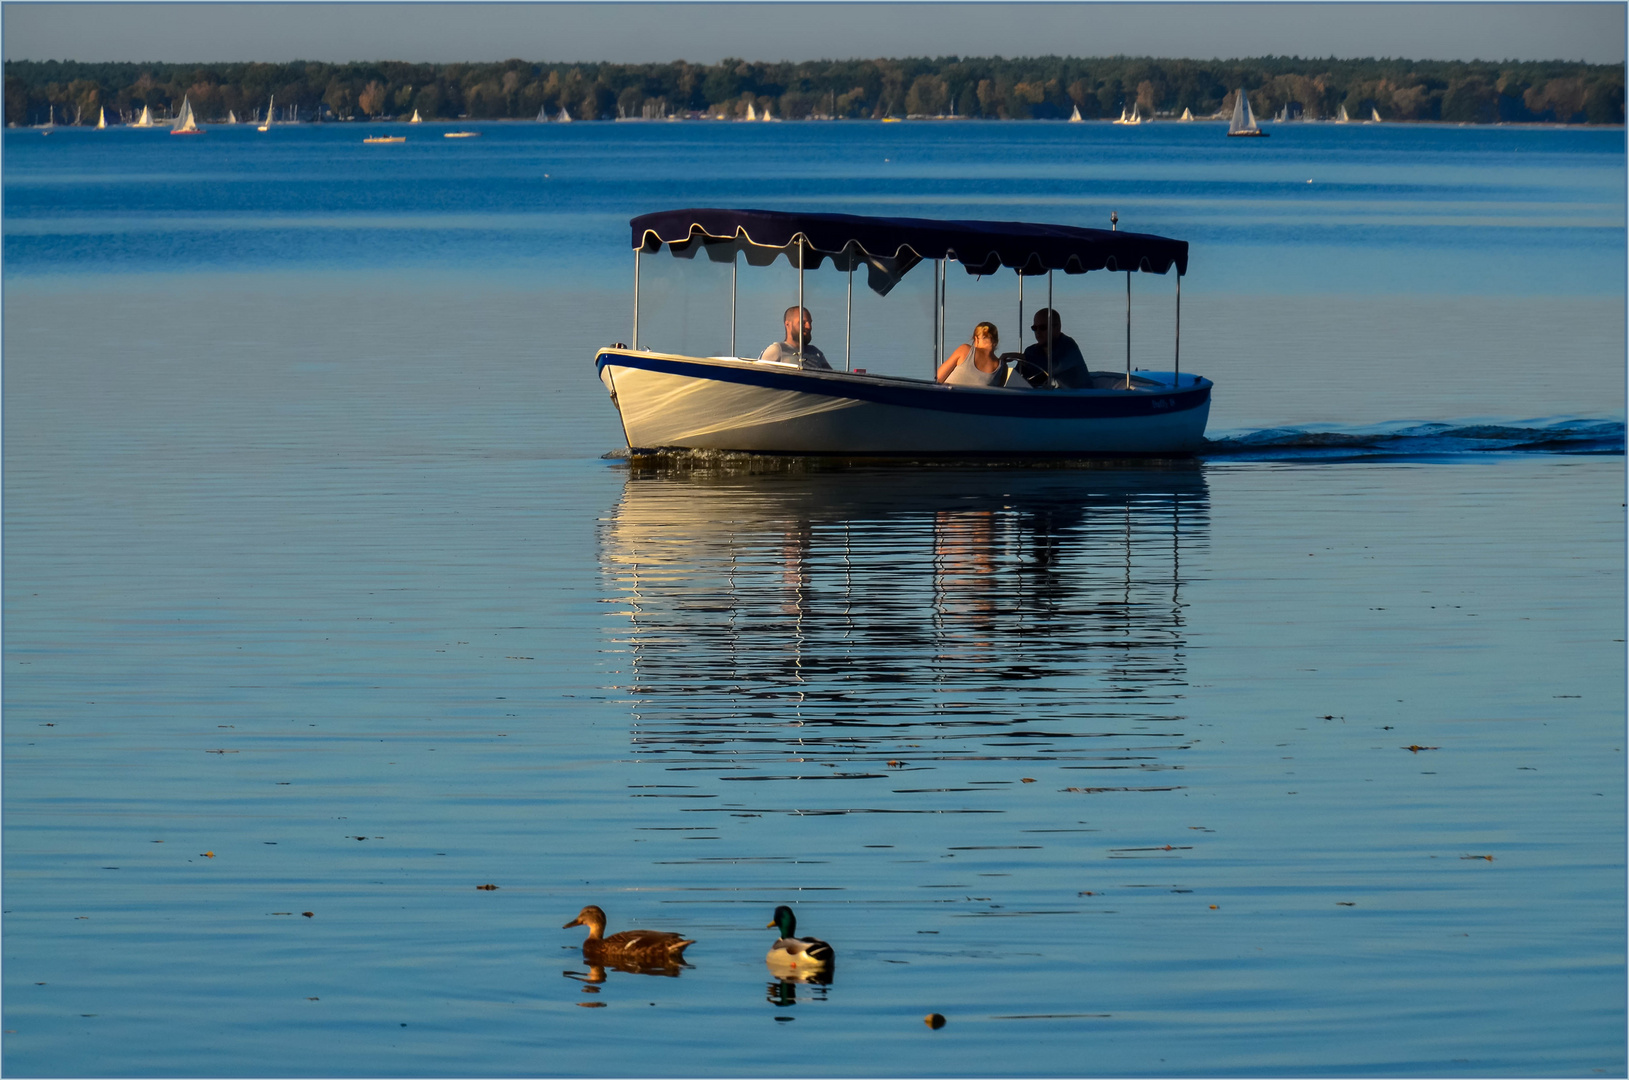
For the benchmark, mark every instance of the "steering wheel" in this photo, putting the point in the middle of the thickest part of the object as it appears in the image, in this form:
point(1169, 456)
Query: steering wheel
point(1033, 374)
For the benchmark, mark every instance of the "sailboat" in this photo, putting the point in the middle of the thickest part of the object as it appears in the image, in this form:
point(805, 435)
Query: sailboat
point(101, 119)
point(565, 117)
point(752, 114)
point(415, 119)
point(1187, 114)
point(542, 115)
point(184, 123)
point(1244, 121)
point(231, 117)
point(146, 118)
point(1342, 118)
point(1130, 117)
point(1075, 117)
point(266, 126)
point(1374, 115)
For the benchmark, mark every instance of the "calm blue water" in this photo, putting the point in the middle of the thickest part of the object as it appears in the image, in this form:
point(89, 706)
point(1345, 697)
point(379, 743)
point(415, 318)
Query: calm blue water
point(1305, 758)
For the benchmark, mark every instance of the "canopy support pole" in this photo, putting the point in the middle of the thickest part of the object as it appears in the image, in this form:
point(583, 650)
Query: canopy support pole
point(1128, 329)
point(848, 321)
point(735, 270)
point(1051, 313)
point(636, 298)
point(938, 313)
point(1020, 306)
point(800, 300)
point(1177, 381)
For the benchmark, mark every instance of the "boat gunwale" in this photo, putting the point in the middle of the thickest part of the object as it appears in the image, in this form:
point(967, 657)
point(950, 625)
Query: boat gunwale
point(907, 392)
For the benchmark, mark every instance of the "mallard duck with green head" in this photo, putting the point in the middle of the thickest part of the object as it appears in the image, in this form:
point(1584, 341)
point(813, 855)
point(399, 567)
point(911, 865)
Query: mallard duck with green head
point(636, 948)
point(794, 954)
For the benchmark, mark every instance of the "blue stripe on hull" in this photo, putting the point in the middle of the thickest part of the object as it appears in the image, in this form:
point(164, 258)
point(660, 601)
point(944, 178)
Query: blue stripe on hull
point(934, 397)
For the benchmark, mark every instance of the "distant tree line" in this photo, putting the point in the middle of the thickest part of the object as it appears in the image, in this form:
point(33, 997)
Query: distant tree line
point(1047, 87)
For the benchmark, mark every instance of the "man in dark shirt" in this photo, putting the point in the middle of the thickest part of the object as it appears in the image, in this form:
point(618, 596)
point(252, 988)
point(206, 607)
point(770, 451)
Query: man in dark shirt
point(1066, 365)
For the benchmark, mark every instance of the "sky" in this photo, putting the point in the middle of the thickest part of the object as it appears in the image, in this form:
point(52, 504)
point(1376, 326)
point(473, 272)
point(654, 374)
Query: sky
point(630, 32)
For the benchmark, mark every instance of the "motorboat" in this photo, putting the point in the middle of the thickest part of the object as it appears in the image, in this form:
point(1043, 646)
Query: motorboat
point(669, 400)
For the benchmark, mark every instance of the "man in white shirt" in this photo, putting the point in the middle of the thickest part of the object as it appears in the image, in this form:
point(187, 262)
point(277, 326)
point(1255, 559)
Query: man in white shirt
point(795, 349)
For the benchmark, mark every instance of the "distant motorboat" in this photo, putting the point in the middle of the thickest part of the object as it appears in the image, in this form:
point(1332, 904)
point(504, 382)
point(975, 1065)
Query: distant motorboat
point(146, 118)
point(1187, 114)
point(269, 108)
point(385, 139)
point(1342, 118)
point(185, 124)
point(460, 134)
point(1075, 117)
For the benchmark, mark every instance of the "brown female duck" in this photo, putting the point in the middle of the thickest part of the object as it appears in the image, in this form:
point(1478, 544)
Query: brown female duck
point(635, 948)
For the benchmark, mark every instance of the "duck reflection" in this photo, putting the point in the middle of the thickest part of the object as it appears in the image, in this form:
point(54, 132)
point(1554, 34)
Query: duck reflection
point(782, 992)
point(848, 611)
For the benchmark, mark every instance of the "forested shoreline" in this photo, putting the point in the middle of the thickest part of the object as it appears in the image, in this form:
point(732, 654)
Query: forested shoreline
point(992, 88)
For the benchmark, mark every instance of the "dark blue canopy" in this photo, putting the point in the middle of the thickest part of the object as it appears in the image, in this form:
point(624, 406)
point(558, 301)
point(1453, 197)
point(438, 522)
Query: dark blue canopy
point(891, 246)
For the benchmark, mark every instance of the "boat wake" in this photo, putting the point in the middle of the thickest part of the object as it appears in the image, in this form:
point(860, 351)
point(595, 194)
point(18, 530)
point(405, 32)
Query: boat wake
point(1412, 439)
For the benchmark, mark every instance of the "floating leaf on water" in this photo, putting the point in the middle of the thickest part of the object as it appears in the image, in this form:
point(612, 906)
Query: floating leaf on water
point(1026, 779)
point(934, 1021)
point(1489, 858)
point(591, 1004)
point(489, 887)
point(1213, 907)
point(1417, 749)
point(309, 914)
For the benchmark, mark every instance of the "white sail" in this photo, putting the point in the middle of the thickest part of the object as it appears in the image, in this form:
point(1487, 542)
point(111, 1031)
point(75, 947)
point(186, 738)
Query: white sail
point(101, 118)
point(752, 113)
point(415, 119)
point(270, 106)
point(231, 117)
point(1187, 114)
point(542, 115)
point(185, 122)
point(565, 117)
point(1343, 118)
point(146, 118)
point(1074, 117)
point(1243, 118)
point(1374, 115)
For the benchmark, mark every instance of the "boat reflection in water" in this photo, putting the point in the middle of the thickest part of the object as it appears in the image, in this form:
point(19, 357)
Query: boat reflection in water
point(787, 622)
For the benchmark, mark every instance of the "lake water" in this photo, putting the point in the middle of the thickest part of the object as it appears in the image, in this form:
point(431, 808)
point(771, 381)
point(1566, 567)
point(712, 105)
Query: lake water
point(324, 606)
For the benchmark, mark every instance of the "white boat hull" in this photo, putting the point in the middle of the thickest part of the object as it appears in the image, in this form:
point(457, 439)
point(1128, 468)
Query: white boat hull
point(669, 401)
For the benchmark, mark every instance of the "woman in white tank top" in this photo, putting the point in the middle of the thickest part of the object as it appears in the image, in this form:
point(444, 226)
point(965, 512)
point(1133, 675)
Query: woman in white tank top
point(974, 364)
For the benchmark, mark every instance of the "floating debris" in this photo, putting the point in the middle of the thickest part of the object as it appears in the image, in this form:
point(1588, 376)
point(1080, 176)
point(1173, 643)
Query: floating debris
point(1411, 749)
point(309, 914)
point(1021, 779)
point(489, 887)
point(933, 1020)
point(1489, 858)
